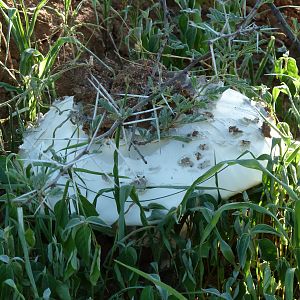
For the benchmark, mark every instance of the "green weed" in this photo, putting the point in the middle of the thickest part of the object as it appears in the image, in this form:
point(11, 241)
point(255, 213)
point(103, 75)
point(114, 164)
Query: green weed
point(206, 248)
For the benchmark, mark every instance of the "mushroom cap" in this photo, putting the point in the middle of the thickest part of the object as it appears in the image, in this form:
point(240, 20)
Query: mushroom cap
point(233, 126)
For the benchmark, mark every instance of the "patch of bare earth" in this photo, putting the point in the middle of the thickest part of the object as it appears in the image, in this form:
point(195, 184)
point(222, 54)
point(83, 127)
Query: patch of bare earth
point(94, 36)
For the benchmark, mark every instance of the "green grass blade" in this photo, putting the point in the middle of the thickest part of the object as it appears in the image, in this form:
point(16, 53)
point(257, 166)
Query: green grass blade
point(289, 284)
point(3, 5)
point(28, 59)
point(21, 233)
point(11, 283)
point(67, 6)
point(34, 17)
point(265, 59)
point(238, 206)
point(248, 163)
point(297, 233)
point(17, 29)
point(47, 64)
point(168, 288)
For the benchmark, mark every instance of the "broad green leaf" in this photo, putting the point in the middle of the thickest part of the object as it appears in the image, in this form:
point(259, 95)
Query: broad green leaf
point(289, 284)
point(94, 220)
point(292, 68)
point(268, 250)
point(72, 265)
point(62, 291)
point(61, 213)
point(83, 243)
point(147, 293)
point(12, 284)
point(215, 292)
point(191, 35)
point(128, 255)
point(124, 193)
point(95, 271)
point(227, 252)
point(74, 222)
point(279, 89)
point(267, 278)
point(154, 42)
point(87, 208)
point(30, 237)
point(264, 228)
point(183, 23)
point(242, 247)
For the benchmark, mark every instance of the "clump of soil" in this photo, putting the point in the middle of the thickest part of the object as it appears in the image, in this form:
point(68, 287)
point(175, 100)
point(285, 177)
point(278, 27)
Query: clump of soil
point(138, 78)
point(134, 77)
point(76, 82)
point(131, 78)
point(126, 85)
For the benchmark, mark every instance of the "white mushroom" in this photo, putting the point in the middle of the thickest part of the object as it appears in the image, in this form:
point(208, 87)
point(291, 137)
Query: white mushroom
point(233, 126)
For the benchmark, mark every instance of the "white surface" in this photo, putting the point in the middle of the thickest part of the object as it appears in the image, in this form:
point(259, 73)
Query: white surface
point(169, 162)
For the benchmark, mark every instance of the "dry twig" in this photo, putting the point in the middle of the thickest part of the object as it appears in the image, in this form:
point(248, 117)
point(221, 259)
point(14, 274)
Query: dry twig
point(285, 26)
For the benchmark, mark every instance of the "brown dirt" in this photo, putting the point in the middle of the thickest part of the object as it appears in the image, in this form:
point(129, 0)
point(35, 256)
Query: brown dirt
point(266, 17)
point(137, 78)
point(49, 28)
point(129, 78)
point(74, 82)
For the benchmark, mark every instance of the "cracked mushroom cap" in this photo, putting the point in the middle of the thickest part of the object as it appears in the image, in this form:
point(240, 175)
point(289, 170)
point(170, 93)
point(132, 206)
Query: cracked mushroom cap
point(234, 125)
